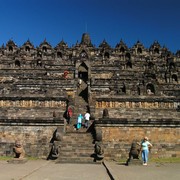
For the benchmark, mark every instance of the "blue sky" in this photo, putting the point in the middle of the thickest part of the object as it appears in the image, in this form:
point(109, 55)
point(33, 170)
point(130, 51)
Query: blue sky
point(112, 20)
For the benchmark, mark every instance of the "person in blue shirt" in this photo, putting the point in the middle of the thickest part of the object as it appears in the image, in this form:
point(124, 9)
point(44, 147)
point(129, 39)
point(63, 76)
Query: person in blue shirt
point(145, 145)
point(79, 121)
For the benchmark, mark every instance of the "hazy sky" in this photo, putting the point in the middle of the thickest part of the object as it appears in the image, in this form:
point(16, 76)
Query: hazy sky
point(112, 20)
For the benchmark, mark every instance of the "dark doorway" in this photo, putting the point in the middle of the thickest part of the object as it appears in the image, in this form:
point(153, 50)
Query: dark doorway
point(83, 76)
point(150, 89)
point(83, 81)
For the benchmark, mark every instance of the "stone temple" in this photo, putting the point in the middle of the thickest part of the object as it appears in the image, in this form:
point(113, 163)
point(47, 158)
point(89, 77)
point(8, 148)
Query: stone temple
point(129, 92)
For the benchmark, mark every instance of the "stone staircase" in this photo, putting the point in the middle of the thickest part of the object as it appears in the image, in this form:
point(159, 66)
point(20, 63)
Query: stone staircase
point(80, 106)
point(76, 147)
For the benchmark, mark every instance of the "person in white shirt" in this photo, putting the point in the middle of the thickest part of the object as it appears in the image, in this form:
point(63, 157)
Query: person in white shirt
point(87, 118)
point(79, 83)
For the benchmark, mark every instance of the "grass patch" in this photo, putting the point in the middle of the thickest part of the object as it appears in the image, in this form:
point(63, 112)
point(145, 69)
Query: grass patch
point(6, 158)
point(165, 160)
point(158, 160)
point(122, 161)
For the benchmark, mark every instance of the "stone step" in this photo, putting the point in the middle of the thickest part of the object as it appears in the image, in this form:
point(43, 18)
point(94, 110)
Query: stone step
point(80, 99)
point(76, 142)
point(72, 130)
point(72, 127)
point(76, 152)
point(77, 134)
point(83, 160)
point(77, 147)
point(79, 139)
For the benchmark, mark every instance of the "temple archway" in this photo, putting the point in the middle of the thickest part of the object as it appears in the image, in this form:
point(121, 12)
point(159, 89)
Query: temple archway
point(174, 78)
point(44, 49)
point(10, 48)
point(39, 63)
point(129, 64)
point(156, 50)
point(139, 50)
point(122, 50)
point(150, 89)
point(106, 55)
point(17, 63)
point(128, 56)
point(27, 48)
point(83, 81)
point(59, 54)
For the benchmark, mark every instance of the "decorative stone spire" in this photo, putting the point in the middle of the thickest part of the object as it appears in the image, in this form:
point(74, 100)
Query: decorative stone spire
point(104, 44)
point(86, 40)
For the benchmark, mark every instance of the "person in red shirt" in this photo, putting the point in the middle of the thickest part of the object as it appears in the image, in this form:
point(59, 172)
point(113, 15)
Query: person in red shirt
point(69, 115)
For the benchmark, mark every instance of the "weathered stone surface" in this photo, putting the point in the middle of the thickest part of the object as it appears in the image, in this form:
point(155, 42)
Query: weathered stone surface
point(17, 161)
point(35, 139)
point(136, 85)
point(117, 139)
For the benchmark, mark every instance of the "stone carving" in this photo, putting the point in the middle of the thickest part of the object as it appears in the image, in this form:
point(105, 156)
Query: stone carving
point(134, 153)
point(105, 113)
point(149, 92)
point(55, 144)
point(55, 150)
point(134, 105)
point(19, 150)
point(99, 151)
point(7, 103)
point(58, 134)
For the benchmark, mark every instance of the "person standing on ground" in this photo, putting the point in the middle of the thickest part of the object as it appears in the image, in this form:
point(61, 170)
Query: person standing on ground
point(87, 118)
point(145, 145)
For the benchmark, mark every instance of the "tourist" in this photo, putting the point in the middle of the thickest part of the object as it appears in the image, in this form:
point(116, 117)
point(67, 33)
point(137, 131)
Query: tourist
point(79, 83)
point(145, 145)
point(79, 121)
point(69, 115)
point(87, 118)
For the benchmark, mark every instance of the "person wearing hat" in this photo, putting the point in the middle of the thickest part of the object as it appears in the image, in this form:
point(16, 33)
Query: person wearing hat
point(145, 145)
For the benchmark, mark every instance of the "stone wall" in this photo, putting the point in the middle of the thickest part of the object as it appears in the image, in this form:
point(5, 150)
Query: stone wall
point(138, 107)
point(117, 138)
point(19, 108)
point(36, 139)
